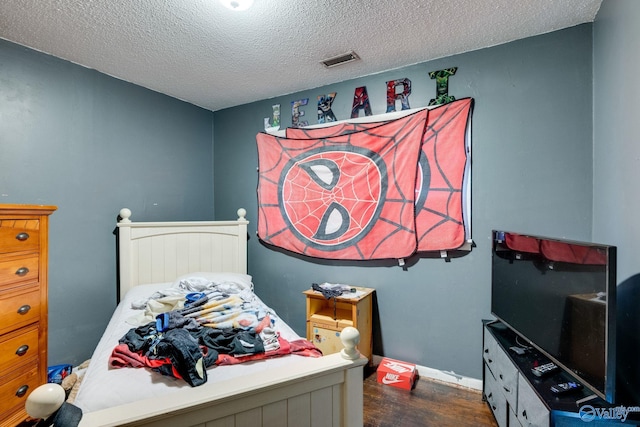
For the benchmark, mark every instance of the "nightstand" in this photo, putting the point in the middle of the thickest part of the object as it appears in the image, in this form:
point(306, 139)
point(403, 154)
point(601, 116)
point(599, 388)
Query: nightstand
point(327, 317)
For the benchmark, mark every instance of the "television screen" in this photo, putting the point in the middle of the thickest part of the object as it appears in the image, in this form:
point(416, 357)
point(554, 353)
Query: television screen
point(559, 296)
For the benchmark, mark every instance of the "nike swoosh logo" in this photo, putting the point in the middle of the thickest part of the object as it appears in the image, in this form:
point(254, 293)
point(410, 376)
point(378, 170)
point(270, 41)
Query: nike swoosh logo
point(385, 380)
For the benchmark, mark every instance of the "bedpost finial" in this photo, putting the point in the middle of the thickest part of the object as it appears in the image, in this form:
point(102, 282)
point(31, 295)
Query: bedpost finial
point(44, 400)
point(350, 338)
point(125, 214)
point(242, 213)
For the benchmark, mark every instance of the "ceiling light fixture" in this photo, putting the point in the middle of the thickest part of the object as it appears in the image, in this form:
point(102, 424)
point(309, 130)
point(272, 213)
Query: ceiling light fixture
point(340, 59)
point(237, 5)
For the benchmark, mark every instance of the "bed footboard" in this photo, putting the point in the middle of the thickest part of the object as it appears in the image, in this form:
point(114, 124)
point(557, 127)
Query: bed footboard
point(324, 392)
point(314, 392)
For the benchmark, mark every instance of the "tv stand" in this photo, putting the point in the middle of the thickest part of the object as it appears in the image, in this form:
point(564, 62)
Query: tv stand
point(518, 398)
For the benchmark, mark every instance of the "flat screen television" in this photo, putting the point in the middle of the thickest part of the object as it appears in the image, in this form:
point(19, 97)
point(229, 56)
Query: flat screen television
point(560, 297)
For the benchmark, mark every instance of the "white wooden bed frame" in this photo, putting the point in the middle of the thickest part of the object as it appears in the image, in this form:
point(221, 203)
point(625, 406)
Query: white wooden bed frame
point(318, 392)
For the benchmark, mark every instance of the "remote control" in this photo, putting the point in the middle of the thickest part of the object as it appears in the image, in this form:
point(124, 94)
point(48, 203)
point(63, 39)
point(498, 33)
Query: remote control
point(542, 370)
point(562, 388)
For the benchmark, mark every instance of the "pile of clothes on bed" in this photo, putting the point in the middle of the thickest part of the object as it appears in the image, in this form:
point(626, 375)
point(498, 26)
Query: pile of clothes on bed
point(198, 324)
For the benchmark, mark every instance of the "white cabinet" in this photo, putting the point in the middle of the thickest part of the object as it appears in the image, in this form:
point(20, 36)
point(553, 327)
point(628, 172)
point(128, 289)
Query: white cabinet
point(508, 393)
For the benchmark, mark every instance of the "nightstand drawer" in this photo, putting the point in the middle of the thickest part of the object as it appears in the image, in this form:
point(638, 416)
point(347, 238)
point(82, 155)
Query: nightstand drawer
point(19, 235)
point(327, 340)
point(19, 307)
point(19, 270)
point(18, 348)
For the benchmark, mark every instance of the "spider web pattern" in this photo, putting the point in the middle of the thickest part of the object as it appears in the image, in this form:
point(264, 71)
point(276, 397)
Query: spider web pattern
point(440, 177)
point(439, 212)
point(358, 190)
point(386, 231)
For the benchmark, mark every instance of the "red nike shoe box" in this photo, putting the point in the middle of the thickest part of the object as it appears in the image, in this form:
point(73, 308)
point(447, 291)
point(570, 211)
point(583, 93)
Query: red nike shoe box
point(396, 373)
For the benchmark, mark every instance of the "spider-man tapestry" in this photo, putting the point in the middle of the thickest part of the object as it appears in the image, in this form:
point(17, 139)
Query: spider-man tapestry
point(346, 197)
point(313, 199)
point(440, 178)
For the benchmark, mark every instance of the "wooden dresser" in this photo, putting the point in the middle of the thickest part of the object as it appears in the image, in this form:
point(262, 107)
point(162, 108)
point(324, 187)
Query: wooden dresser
point(23, 306)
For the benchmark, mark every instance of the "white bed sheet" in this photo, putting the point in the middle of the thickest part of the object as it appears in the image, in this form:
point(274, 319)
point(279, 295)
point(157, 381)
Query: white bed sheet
point(102, 387)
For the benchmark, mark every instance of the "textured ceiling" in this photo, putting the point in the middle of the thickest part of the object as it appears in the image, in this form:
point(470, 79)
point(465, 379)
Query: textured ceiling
point(203, 53)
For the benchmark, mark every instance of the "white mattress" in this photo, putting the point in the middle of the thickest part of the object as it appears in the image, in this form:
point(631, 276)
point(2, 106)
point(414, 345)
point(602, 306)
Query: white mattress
point(103, 387)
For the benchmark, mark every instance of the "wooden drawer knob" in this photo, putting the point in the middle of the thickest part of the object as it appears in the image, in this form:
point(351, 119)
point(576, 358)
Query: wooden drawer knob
point(24, 309)
point(22, 350)
point(22, 390)
point(22, 271)
point(22, 236)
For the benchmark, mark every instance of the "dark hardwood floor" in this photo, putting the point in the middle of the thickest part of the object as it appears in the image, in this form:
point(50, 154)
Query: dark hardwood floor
point(430, 404)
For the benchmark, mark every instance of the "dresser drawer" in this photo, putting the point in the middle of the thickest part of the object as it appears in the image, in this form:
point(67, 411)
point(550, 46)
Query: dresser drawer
point(494, 397)
point(19, 235)
point(531, 411)
point(19, 307)
point(503, 370)
point(15, 388)
point(19, 270)
point(18, 348)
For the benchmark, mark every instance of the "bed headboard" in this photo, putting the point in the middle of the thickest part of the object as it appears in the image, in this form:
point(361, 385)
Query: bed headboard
point(157, 252)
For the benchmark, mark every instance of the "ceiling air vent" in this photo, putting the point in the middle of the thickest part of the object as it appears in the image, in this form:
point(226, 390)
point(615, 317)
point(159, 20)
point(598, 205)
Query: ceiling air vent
point(340, 59)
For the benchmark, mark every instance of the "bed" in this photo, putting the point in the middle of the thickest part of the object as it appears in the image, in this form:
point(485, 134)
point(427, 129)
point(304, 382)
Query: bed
point(287, 390)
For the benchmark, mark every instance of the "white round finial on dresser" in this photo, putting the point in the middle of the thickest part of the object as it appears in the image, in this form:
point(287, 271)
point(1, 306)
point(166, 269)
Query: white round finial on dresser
point(125, 214)
point(242, 213)
point(350, 338)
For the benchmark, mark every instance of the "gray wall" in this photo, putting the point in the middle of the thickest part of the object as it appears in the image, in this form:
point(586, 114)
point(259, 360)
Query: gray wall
point(532, 172)
point(91, 144)
point(616, 140)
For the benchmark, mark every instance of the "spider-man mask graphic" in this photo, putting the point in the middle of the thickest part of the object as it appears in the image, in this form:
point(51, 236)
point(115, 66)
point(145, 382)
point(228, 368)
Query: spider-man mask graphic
point(324, 200)
point(344, 197)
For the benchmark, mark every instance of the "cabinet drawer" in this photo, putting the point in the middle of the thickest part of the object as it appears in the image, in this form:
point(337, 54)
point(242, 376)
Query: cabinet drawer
point(531, 411)
point(19, 235)
point(19, 270)
point(14, 389)
point(19, 307)
point(18, 348)
point(490, 347)
point(327, 340)
point(513, 419)
point(504, 371)
point(495, 398)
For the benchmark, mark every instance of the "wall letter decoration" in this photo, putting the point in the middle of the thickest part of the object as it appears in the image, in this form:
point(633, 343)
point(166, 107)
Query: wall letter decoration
point(403, 96)
point(360, 101)
point(442, 85)
point(296, 113)
point(275, 119)
point(325, 114)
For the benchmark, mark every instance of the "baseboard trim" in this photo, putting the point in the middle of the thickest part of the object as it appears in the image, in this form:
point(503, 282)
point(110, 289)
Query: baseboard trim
point(443, 376)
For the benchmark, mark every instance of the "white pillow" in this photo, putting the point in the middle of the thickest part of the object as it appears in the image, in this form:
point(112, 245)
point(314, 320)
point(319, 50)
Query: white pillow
point(243, 281)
